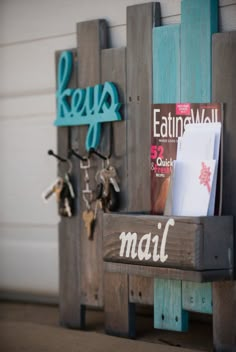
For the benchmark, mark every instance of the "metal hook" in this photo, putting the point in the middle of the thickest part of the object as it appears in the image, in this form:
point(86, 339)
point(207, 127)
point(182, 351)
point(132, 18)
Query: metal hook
point(72, 152)
point(51, 152)
point(63, 160)
point(103, 157)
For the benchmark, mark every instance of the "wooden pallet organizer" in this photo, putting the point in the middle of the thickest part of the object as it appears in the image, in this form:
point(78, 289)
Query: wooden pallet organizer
point(199, 250)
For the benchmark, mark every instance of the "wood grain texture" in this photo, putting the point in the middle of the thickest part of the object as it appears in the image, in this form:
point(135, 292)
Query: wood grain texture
point(166, 64)
point(197, 298)
point(116, 286)
point(91, 39)
point(113, 139)
point(224, 323)
point(168, 313)
point(166, 89)
point(189, 243)
point(199, 20)
point(141, 290)
point(140, 21)
point(169, 273)
point(72, 313)
point(119, 313)
point(224, 87)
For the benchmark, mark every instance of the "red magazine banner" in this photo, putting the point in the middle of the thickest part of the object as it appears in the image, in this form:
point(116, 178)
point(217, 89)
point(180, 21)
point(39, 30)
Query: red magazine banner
point(168, 123)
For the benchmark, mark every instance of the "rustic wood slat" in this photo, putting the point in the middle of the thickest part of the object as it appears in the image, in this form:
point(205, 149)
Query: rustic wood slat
point(197, 300)
point(118, 321)
point(168, 313)
point(189, 243)
point(169, 273)
point(166, 89)
point(166, 64)
point(113, 63)
point(119, 313)
point(140, 22)
point(141, 290)
point(91, 39)
point(72, 313)
point(199, 20)
point(224, 87)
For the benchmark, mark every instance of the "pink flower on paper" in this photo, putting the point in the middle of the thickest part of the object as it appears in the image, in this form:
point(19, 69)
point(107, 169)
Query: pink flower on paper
point(205, 176)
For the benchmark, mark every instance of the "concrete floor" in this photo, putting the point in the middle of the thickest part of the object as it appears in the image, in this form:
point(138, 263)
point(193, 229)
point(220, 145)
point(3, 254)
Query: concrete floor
point(28, 327)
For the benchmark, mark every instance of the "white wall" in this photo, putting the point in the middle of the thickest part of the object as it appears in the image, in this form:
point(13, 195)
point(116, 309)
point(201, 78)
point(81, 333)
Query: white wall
point(30, 32)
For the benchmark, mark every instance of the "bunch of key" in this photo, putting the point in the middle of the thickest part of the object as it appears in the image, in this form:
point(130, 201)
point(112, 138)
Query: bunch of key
point(107, 191)
point(63, 189)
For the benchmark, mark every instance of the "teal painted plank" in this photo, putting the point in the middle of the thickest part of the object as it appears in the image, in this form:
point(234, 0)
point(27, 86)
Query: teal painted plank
point(197, 297)
point(199, 20)
point(166, 64)
point(168, 312)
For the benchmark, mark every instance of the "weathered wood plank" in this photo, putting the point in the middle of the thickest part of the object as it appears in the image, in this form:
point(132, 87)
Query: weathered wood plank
point(141, 290)
point(197, 298)
point(169, 273)
point(168, 313)
point(199, 20)
point(92, 38)
point(114, 139)
point(166, 64)
point(224, 87)
point(177, 242)
point(140, 22)
point(72, 313)
point(119, 314)
point(166, 88)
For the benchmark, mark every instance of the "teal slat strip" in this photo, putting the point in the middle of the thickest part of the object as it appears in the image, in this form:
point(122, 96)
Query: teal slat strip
point(199, 20)
point(166, 64)
point(168, 313)
point(197, 297)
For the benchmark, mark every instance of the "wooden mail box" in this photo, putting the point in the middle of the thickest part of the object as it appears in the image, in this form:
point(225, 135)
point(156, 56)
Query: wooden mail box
point(190, 244)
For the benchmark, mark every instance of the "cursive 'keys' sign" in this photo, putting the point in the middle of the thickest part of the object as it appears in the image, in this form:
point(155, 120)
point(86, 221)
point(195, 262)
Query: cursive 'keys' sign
point(84, 106)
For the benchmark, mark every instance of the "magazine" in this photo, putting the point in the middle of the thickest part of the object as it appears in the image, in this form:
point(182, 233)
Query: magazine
point(169, 122)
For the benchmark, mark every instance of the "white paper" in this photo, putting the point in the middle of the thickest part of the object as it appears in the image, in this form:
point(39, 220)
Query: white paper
point(192, 185)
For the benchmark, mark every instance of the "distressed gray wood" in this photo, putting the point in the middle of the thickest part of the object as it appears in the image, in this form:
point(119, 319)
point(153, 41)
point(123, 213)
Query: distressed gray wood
point(113, 63)
point(224, 88)
point(118, 321)
point(140, 22)
point(91, 39)
point(141, 290)
point(168, 273)
point(119, 313)
point(224, 322)
point(192, 243)
point(72, 313)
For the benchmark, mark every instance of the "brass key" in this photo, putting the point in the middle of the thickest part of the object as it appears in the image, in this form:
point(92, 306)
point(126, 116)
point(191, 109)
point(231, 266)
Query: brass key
point(88, 218)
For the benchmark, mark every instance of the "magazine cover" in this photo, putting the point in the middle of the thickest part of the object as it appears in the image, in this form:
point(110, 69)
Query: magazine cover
point(168, 123)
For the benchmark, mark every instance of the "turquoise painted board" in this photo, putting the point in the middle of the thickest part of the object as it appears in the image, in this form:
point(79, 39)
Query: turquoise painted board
point(197, 297)
point(168, 312)
point(199, 20)
point(166, 64)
